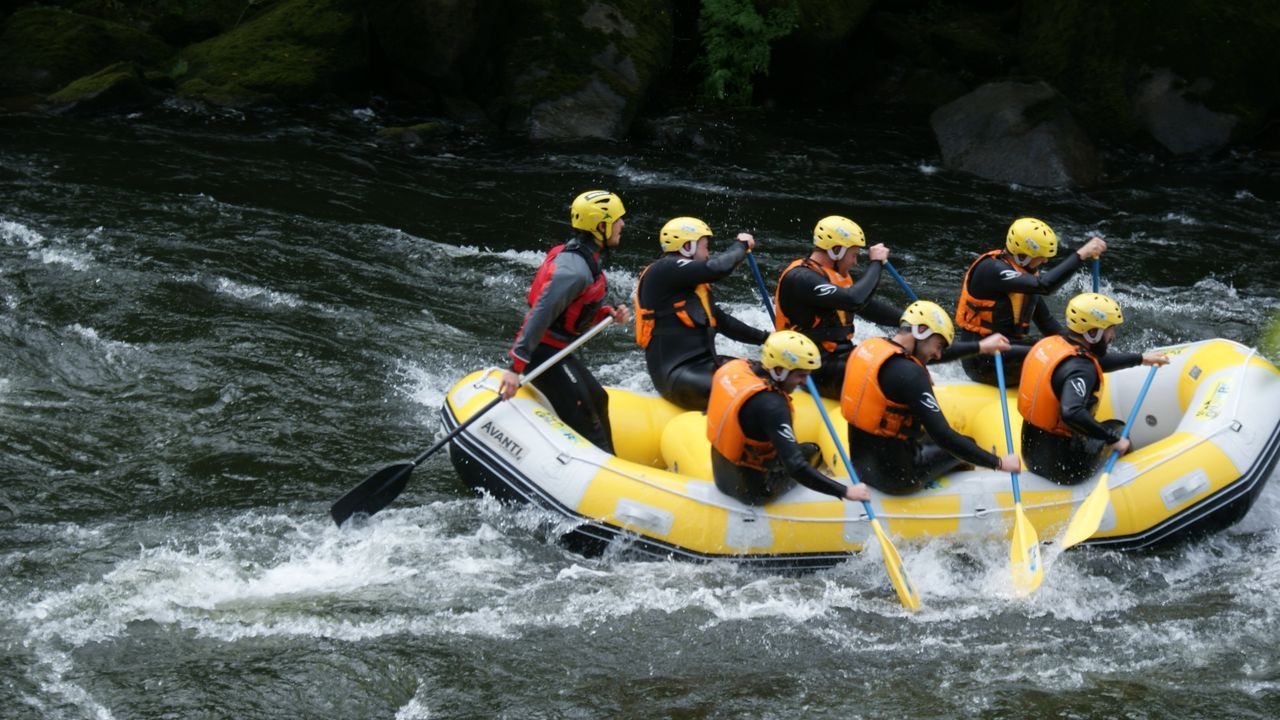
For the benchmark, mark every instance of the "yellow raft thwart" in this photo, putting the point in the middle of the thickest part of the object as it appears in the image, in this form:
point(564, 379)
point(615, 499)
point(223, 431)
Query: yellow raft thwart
point(1206, 440)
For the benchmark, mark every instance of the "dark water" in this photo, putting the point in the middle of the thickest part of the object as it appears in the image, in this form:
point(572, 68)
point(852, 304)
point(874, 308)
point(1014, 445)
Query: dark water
point(213, 326)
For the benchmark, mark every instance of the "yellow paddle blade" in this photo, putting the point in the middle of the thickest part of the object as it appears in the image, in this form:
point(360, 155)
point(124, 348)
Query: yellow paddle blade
point(1024, 554)
point(1087, 519)
point(897, 574)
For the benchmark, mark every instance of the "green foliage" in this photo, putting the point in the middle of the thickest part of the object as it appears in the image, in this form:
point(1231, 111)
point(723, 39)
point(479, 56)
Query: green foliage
point(735, 40)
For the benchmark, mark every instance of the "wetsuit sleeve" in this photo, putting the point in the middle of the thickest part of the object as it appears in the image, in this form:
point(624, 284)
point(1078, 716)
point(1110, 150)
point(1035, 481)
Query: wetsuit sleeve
point(992, 277)
point(1075, 381)
point(688, 273)
point(905, 382)
point(1119, 361)
point(961, 349)
point(809, 288)
point(1046, 320)
point(880, 312)
point(570, 277)
point(767, 415)
point(732, 327)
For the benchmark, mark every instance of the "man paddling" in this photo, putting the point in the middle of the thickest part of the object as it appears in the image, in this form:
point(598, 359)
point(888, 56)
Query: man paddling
point(1058, 396)
point(899, 437)
point(1003, 290)
point(677, 319)
point(754, 453)
point(817, 297)
point(567, 298)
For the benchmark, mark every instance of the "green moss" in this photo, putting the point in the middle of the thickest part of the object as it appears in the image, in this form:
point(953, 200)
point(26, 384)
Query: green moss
point(296, 51)
point(44, 48)
point(96, 83)
point(1269, 343)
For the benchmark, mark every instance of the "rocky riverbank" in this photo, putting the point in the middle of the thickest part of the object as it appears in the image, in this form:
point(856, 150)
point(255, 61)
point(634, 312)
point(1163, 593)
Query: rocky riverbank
point(1016, 90)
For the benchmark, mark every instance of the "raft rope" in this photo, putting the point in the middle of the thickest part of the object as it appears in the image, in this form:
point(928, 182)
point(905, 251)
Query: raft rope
point(546, 434)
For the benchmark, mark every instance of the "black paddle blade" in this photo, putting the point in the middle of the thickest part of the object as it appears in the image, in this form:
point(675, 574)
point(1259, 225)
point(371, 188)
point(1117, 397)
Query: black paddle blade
point(375, 493)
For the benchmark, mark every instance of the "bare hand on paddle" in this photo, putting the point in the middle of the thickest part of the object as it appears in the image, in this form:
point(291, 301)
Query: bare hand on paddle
point(1009, 463)
point(747, 238)
point(993, 343)
point(1092, 249)
point(1155, 358)
point(877, 253)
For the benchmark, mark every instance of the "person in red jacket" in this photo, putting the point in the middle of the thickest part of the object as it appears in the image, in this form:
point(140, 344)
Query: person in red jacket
point(565, 300)
point(1058, 396)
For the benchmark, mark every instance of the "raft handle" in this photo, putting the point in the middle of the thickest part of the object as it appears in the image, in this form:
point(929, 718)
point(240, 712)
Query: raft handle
point(1236, 426)
point(563, 458)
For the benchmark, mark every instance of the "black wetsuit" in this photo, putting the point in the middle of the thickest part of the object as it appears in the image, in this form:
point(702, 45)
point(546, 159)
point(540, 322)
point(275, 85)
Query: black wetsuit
point(804, 295)
point(681, 359)
point(766, 416)
point(900, 467)
point(1072, 460)
point(993, 279)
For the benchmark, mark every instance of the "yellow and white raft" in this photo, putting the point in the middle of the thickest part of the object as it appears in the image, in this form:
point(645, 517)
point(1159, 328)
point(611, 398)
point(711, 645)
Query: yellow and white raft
point(1206, 440)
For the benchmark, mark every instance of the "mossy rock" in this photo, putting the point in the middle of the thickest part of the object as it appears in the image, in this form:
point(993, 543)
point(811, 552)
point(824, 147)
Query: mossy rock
point(115, 88)
point(1097, 53)
point(581, 68)
point(44, 48)
point(298, 50)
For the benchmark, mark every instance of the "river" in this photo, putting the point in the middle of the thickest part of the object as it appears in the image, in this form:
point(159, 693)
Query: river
point(214, 324)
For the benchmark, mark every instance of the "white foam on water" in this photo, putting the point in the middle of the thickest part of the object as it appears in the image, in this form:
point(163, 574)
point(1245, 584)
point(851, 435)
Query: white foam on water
point(926, 168)
point(13, 233)
point(112, 350)
point(254, 293)
point(75, 259)
point(1181, 219)
point(417, 707)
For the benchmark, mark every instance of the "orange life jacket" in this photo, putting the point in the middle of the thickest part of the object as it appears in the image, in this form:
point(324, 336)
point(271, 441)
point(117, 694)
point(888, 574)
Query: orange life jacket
point(733, 384)
point(1037, 402)
point(863, 402)
point(828, 326)
point(645, 317)
point(977, 315)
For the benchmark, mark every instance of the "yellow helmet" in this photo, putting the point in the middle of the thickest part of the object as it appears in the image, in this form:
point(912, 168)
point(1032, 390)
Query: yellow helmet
point(788, 350)
point(835, 231)
point(594, 207)
point(1031, 238)
point(928, 314)
point(681, 230)
point(1092, 311)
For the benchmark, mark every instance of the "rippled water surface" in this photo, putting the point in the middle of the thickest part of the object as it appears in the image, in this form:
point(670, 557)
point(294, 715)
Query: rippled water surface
point(213, 326)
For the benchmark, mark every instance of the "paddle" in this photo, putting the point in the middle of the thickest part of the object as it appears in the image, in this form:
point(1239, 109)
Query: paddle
point(901, 280)
point(1024, 552)
point(1096, 268)
point(892, 560)
point(380, 488)
point(1087, 519)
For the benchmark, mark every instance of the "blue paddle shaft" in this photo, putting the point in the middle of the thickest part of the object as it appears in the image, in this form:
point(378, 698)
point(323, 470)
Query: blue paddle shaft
point(901, 280)
point(1133, 415)
point(1008, 430)
point(1096, 268)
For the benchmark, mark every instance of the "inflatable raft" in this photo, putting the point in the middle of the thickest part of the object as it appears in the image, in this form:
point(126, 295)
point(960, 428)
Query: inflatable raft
point(1206, 440)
